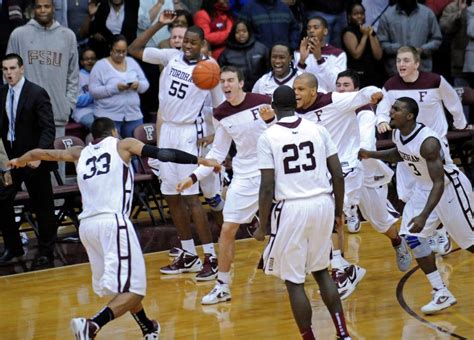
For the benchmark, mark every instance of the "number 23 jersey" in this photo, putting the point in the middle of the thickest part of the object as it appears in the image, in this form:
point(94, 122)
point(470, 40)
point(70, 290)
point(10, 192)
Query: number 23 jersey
point(105, 181)
point(297, 150)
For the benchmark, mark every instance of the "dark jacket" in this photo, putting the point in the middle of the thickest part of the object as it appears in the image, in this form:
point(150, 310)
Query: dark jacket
point(251, 58)
point(34, 124)
point(272, 22)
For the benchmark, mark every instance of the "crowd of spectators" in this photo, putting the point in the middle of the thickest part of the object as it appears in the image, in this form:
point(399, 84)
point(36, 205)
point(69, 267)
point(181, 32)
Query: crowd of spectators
point(240, 33)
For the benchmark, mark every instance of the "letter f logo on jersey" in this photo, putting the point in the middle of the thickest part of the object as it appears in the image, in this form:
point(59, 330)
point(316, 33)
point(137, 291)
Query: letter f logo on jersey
point(422, 95)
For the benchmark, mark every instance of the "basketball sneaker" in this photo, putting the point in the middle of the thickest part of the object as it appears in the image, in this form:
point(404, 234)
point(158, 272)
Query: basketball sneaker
point(253, 225)
point(209, 269)
point(220, 293)
point(184, 263)
point(353, 222)
point(442, 299)
point(347, 280)
point(155, 334)
point(404, 256)
point(84, 329)
point(216, 203)
point(175, 252)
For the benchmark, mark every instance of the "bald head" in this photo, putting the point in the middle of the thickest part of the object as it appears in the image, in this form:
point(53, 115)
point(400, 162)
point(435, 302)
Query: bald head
point(309, 80)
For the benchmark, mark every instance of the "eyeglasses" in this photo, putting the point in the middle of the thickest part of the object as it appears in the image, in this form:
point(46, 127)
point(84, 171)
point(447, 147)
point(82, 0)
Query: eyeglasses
point(116, 52)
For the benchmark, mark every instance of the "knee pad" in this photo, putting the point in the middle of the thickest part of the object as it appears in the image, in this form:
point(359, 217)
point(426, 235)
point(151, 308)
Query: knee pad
point(419, 246)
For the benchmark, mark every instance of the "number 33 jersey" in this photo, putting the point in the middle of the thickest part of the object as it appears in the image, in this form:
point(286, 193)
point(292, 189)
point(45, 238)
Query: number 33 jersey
point(105, 181)
point(297, 150)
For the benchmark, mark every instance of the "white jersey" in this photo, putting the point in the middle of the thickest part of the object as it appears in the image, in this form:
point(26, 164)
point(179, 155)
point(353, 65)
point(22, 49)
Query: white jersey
point(333, 61)
point(180, 100)
point(297, 150)
point(268, 83)
point(409, 149)
point(336, 112)
point(243, 125)
point(432, 93)
point(376, 172)
point(105, 181)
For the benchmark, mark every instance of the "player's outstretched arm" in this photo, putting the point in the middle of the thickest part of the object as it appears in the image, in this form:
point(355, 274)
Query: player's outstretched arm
point(137, 47)
point(430, 151)
point(265, 197)
point(70, 155)
point(390, 155)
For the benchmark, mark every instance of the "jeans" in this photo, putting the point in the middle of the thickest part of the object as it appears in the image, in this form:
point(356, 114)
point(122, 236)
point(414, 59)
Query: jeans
point(125, 128)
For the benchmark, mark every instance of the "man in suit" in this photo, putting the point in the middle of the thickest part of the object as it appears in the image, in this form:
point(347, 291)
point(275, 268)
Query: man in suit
point(26, 122)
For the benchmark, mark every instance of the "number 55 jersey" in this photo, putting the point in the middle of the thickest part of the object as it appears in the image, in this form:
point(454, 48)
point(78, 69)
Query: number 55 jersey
point(105, 181)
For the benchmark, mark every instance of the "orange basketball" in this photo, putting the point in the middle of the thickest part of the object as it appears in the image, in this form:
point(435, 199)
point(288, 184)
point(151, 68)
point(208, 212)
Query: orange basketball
point(206, 74)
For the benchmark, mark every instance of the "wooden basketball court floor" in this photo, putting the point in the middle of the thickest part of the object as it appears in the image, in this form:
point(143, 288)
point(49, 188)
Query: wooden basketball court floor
point(386, 304)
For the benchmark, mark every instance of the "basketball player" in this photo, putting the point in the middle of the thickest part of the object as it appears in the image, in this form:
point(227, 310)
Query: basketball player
point(432, 93)
point(283, 71)
point(323, 60)
point(180, 105)
point(294, 156)
point(237, 119)
point(439, 187)
point(117, 264)
point(335, 111)
point(373, 203)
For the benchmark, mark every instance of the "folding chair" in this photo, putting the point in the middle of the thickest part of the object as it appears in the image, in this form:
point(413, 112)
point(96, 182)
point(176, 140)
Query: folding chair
point(147, 185)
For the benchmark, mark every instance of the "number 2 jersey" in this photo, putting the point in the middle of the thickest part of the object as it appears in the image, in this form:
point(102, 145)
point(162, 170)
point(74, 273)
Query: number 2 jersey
point(297, 150)
point(105, 181)
point(409, 149)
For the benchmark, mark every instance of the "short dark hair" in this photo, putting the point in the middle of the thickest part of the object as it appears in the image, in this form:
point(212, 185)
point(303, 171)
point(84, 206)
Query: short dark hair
point(52, 2)
point(83, 51)
point(11, 56)
point(234, 69)
point(321, 20)
point(102, 127)
point(350, 74)
point(196, 29)
point(410, 104)
point(116, 38)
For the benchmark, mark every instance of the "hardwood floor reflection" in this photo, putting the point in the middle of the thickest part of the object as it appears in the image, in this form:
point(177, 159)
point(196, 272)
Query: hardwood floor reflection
point(39, 305)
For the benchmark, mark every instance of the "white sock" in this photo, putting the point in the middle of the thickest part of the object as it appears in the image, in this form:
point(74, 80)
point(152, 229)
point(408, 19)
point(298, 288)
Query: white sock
point(223, 277)
point(436, 280)
point(336, 261)
point(209, 249)
point(189, 246)
point(345, 264)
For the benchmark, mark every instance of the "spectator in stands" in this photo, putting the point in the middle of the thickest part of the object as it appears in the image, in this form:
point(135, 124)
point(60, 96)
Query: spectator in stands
point(50, 52)
point(374, 9)
point(11, 17)
point(409, 23)
point(453, 24)
point(26, 123)
point(113, 17)
point(363, 49)
point(72, 14)
point(84, 111)
point(334, 12)
point(469, 57)
point(176, 38)
point(215, 19)
point(115, 83)
point(148, 14)
point(271, 21)
point(319, 58)
point(246, 53)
